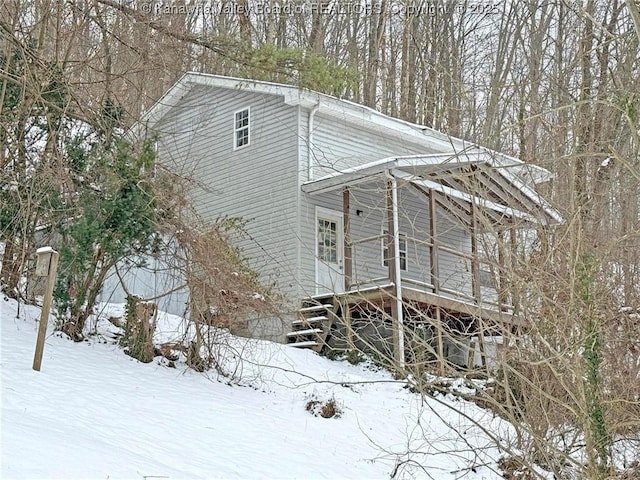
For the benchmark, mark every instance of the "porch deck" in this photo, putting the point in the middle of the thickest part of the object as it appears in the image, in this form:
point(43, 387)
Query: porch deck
point(384, 293)
point(335, 320)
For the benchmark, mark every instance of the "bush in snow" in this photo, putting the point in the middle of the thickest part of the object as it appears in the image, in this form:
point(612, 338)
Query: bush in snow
point(138, 329)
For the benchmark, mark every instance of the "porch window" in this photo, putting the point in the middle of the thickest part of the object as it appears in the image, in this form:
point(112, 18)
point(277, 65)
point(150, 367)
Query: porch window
point(486, 278)
point(402, 251)
point(327, 241)
point(241, 129)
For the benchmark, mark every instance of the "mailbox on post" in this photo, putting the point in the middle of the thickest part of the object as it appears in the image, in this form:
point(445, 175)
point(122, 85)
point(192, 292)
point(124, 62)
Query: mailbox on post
point(46, 266)
point(43, 262)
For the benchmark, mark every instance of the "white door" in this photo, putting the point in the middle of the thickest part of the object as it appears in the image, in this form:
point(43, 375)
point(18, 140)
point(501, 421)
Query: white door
point(329, 251)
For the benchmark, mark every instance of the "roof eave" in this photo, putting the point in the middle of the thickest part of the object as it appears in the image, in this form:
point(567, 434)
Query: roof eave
point(374, 170)
point(362, 173)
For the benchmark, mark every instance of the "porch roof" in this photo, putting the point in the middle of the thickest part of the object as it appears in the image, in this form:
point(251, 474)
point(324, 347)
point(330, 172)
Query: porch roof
point(459, 180)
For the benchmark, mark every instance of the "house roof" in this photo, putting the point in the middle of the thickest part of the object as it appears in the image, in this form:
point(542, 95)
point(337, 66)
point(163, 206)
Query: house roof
point(344, 110)
point(460, 179)
point(463, 174)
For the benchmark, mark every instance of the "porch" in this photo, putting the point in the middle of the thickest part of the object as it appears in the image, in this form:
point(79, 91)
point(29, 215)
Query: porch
point(363, 319)
point(458, 284)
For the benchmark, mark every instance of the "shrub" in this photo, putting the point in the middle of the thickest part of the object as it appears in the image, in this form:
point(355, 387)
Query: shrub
point(138, 330)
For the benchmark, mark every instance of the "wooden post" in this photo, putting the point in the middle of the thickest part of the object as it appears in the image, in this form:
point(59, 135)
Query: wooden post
point(441, 360)
point(471, 355)
point(502, 275)
point(47, 265)
point(348, 263)
point(391, 267)
point(433, 232)
point(346, 314)
point(513, 266)
point(393, 261)
point(475, 273)
point(483, 355)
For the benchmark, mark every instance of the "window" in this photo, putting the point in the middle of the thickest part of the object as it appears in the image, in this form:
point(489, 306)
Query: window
point(486, 278)
point(241, 129)
point(402, 251)
point(327, 241)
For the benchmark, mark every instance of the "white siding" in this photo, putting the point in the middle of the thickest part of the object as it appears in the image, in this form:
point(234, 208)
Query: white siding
point(370, 200)
point(158, 279)
point(336, 146)
point(257, 183)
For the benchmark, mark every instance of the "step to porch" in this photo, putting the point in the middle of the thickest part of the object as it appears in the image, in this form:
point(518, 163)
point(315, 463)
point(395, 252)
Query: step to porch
point(314, 322)
point(313, 308)
point(304, 332)
point(309, 343)
point(320, 318)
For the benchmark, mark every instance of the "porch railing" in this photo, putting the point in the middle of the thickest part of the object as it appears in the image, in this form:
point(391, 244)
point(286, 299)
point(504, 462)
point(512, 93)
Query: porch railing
point(434, 283)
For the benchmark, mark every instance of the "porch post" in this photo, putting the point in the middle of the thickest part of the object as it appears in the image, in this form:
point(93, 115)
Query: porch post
point(440, 360)
point(393, 247)
point(433, 251)
point(513, 265)
point(348, 273)
point(475, 285)
point(348, 265)
point(502, 280)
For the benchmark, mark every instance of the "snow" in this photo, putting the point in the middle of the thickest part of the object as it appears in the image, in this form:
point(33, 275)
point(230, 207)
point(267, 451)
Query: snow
point(45, 250)
point(93, 412)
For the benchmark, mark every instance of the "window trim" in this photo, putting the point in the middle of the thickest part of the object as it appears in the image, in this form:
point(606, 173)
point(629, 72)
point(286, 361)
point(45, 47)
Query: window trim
point(236, 129)
point(402, 237)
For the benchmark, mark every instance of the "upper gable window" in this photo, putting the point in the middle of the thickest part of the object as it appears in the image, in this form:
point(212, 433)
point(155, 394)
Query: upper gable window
point(241, 128)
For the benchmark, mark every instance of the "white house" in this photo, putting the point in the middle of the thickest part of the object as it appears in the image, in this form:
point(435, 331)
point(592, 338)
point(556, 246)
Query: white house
point(347, 207)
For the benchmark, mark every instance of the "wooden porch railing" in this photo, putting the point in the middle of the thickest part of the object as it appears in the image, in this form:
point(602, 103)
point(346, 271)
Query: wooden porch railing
point(434, 284)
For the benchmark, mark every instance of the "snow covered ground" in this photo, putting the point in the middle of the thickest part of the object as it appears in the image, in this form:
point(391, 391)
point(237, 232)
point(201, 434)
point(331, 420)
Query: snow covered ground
point(94, 412)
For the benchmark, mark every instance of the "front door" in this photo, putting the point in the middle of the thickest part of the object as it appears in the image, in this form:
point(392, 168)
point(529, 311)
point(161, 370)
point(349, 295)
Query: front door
point(329, 251)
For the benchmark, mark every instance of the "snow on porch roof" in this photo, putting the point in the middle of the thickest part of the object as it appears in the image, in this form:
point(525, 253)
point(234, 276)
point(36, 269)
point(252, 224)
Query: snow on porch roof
point(503, 191)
